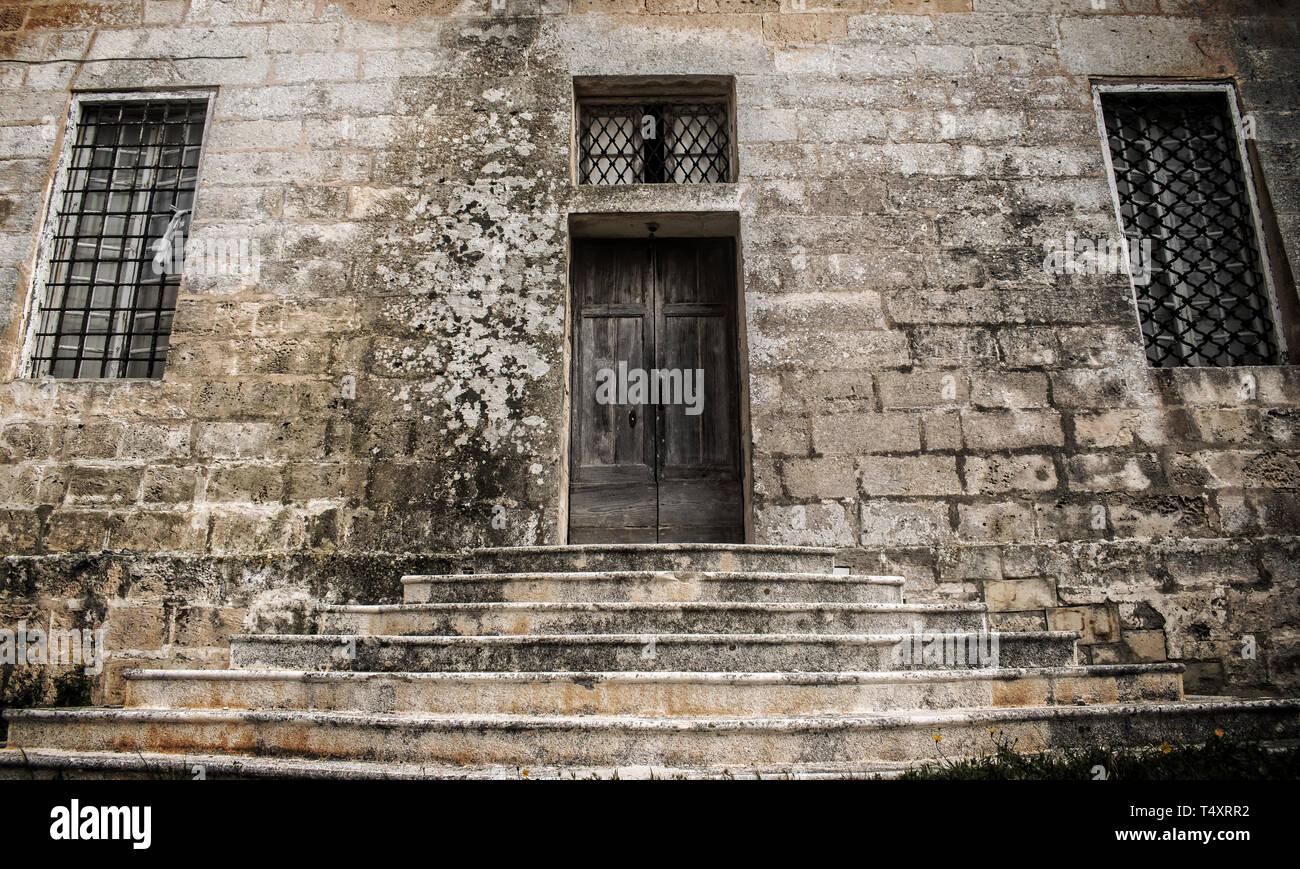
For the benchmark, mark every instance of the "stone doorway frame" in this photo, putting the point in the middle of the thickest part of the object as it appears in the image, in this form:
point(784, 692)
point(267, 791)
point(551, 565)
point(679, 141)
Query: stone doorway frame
point(681, 224)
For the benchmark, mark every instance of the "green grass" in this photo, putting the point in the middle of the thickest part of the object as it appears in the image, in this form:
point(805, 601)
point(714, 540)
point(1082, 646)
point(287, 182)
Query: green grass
point(1220, 759)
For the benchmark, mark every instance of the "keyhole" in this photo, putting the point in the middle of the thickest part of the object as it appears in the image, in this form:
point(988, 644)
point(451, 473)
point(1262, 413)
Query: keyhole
point(631, 418)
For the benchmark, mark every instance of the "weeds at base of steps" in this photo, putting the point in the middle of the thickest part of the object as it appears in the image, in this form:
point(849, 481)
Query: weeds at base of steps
point(1218, 759)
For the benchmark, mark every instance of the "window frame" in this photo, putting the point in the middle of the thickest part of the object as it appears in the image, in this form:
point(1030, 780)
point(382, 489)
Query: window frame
point(1249, 174)
point(55, 191)
point(623, 89)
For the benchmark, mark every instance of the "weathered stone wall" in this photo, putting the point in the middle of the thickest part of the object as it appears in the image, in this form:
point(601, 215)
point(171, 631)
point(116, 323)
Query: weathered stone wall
point(923, 393)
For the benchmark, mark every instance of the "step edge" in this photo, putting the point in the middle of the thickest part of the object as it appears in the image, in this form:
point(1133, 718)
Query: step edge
point(588, 575)
point(637, 639)
point(758, 548)
point(809, 724)
point(845, 677)
point(254, 766)
point(599, 606)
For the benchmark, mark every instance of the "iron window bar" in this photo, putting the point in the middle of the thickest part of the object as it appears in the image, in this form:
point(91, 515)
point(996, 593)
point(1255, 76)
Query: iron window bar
point(1203, 298)
point(654, 142)
point(106, 309)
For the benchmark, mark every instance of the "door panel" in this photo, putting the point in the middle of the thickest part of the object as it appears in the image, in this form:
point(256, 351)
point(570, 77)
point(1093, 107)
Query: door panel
point(699, 467)
point(667, 471)
point(612, 494)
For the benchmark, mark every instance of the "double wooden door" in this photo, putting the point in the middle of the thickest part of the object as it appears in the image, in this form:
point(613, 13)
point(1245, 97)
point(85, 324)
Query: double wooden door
point(662, 462)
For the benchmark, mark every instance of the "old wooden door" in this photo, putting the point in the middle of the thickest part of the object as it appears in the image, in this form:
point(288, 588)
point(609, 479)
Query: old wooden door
point(661, 463)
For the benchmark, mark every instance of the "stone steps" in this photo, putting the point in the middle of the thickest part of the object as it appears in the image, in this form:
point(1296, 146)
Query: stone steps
point(660, 617)
point(693, 660)
point(729, 653)
point(53, 764)
point(648, 694)
point(648, 585)
point(654, 557)
point(689, 741)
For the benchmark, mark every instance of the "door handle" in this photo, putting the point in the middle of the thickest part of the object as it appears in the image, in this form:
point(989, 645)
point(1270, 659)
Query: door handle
point(631, 418)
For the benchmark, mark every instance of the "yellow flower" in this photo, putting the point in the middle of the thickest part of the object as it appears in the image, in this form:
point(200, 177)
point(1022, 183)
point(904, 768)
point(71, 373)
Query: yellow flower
point(991, 730)
point(1166, 747)
point(524, 773)
point(1218, 733)
point(938, 738)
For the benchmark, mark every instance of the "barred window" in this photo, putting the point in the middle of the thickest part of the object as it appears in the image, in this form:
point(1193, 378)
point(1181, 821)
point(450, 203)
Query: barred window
point(1202, 294)
point(654, 142)
point(120, 222)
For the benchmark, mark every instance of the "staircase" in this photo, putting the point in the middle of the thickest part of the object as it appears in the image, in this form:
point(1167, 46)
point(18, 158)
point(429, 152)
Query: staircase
point(630, 660)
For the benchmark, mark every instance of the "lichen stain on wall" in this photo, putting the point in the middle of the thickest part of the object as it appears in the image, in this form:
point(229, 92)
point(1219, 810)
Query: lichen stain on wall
point(462, 258)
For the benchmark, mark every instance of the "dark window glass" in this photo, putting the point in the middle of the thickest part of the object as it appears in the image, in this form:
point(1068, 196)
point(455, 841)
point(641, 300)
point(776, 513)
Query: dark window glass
point(654, 143)
point(1182, 191)
point(119, 241)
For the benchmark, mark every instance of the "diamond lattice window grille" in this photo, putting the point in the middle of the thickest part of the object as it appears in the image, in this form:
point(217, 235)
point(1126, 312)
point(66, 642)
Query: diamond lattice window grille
point(654, 143)
point(107, 307)
point(1181, 186)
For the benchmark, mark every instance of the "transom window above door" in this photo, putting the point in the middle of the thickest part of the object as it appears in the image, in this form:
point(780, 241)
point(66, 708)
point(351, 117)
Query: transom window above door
point(630, 134)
